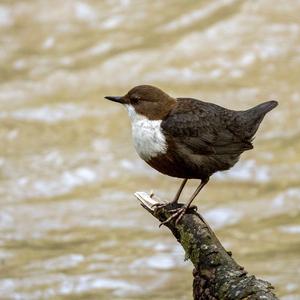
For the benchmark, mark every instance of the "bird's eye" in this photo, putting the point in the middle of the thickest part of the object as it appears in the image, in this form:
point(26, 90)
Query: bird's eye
point(135, 99)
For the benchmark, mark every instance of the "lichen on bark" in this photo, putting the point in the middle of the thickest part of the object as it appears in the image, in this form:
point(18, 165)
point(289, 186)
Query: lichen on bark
point(216, 274)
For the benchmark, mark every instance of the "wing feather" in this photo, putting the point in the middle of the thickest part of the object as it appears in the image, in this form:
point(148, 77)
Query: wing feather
point(201, 128)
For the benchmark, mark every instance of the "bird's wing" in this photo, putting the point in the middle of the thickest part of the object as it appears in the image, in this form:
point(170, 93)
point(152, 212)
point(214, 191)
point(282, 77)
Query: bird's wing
point(201, 128)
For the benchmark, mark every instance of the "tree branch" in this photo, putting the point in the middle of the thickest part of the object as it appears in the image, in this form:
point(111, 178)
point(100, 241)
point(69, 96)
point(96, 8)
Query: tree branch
point(216, 274)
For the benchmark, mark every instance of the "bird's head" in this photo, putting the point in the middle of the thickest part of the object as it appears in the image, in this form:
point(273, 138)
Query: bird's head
point(147, 101)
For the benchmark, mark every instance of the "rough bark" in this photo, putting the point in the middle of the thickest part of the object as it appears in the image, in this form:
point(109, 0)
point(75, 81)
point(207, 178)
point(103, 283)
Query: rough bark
point(216, 273)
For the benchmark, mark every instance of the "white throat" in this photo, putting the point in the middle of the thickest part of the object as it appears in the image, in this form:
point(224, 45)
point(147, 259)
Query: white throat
point(148, 139)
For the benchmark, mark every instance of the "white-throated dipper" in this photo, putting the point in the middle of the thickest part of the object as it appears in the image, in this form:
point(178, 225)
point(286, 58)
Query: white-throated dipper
point(188, 138)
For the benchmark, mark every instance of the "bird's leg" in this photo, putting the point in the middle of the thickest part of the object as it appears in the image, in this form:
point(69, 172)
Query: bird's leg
point(175, 200)
point(178, 213)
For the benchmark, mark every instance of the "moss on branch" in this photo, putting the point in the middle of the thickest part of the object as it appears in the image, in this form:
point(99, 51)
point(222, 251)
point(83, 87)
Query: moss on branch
point(216, 274)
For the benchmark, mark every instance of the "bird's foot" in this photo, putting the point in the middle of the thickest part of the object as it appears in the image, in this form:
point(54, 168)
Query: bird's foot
point(164, 205)
point(160, 205)
point(178, 213)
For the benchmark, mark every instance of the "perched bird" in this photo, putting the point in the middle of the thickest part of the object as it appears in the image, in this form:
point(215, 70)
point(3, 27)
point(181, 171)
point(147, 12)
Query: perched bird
point(188, 138)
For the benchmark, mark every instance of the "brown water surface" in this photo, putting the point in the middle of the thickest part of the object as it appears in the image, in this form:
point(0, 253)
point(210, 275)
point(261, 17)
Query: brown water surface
point(70, 226)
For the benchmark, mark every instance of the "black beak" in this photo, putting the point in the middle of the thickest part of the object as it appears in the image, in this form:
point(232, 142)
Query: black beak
point(115, 99)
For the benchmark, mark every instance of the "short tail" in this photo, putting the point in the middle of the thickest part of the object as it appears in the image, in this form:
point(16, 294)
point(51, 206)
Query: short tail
point(262, 109)
point(252, 117)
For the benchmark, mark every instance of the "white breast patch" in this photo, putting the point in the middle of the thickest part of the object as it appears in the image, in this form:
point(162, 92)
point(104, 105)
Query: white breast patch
point(148, 138)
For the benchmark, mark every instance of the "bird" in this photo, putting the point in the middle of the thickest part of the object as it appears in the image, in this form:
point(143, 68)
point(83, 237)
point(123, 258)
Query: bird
point(188, 138)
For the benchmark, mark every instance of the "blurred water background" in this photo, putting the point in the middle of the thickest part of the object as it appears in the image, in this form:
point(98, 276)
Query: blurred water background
point(70, 226)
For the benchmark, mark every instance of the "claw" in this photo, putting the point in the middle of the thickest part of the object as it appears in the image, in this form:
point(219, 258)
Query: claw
point(181, 215)
point(192, 207)
point(159, 205)
point(178, 213)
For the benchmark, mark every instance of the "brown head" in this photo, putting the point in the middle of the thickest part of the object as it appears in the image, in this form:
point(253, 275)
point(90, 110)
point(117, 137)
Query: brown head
point(146, 100)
